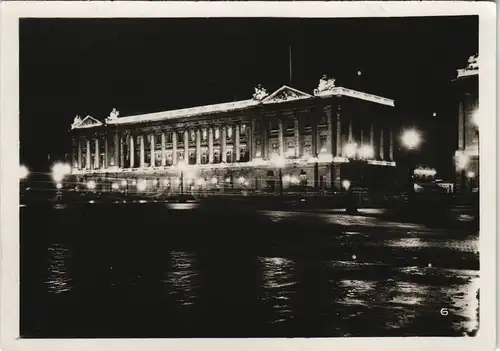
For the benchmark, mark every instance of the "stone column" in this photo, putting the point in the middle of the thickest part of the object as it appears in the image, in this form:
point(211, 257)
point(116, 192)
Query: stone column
point(223, 143)
point(198, 146)
point(97, 154)
point(237, 142)
point(141, 151)
point(350, 131)
point(117, 151)
point(296, 134)
point(132, 151)
point(314, 137)
point(339, 136)
point(210, 145)
point(280, 137)
point(186, 146)
point(87, 154)
point(251, 139)
point(391, 146)
point(329, 136)
point(163, 152)
point(265, 141)
point(122, 151)
point(381, 143)
point(174, 147)
point(79, 154)
point(106, 155)
point(371, 135)
point(152, 160)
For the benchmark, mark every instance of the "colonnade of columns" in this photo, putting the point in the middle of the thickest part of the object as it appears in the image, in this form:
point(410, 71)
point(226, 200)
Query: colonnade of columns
point(214, 143)
point(214, 140)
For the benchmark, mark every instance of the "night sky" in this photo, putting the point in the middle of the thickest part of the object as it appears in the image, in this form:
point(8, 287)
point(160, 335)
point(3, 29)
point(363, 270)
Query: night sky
point(90, 66)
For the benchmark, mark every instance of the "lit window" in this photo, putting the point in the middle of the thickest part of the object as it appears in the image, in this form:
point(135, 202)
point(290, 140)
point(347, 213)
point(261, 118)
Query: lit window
point(243, 129)
point(229, 132)
point(216, 134)
point(204, 134)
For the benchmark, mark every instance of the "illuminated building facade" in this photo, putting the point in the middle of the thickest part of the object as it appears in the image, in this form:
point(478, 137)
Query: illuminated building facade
point(467, 153)
point(284, 139)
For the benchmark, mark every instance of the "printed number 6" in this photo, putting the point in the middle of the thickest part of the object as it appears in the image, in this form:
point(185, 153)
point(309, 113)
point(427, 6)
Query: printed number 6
point(444, 311)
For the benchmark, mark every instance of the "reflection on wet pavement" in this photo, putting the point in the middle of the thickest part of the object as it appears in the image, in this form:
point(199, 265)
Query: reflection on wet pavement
point(283, 273)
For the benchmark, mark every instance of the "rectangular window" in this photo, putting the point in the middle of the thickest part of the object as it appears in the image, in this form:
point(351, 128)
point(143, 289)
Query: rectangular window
point(243, 130)
point(217, 156)
point(229, 132)
point(216, 134)
point(204, 134)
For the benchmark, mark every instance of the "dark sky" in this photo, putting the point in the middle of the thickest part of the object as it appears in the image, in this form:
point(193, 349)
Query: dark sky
point(89, 66)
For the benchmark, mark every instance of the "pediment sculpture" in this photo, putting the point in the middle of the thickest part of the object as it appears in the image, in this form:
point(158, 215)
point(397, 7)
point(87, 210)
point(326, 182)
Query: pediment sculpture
point(114, 114)
point(76, 122)
point(325, 84)
point(260, 93)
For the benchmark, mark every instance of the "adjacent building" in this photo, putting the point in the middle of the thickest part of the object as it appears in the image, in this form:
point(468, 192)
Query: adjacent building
point(467, 152)
point(283, 139)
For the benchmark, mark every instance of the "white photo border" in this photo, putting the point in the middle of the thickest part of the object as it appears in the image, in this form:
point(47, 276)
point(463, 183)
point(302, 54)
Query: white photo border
point(11, 12)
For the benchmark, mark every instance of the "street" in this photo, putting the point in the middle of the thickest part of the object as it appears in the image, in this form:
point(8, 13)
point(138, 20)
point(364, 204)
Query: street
point(146, 270)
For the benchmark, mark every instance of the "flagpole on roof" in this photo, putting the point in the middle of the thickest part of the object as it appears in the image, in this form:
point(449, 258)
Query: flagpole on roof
point(290, 63)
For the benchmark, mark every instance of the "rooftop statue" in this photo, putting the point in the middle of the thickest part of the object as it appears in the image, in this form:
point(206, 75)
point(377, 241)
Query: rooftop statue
point(473, 64)
point(260, 92)
point(76, 121)
point(114, 114)
point(325, 84)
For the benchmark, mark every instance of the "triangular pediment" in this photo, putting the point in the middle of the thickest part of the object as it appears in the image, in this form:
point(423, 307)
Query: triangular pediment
point(286, 93)
point(89, 122)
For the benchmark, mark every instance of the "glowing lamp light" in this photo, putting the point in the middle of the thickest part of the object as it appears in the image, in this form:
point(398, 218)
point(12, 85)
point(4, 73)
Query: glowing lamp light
point(59, 171)
point(411, 139)
point(286, 178)
point(346, 184)
point(115, 186)
point(241, 180)
point(23, 172)
point(366, 152)
point(165, 182)
point(182, 165)
point(475, 118)
point(278, 161)
point(91, 185)
point(462, 161)
point(155, 182)
point(200, 181)
point(245, 183)
point(294, 180)
point(228, 180)
point(59, 186)
point(323, 149)
point(213, 180)
point(141, 185)
point(471, 174)
point(350, 150)
point(124, 182)
point(258, 154)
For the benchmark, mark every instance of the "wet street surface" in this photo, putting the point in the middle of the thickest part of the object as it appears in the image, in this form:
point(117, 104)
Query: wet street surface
point(147, 270)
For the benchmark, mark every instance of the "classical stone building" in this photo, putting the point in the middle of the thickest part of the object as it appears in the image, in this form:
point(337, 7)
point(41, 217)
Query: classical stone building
point(467, 153)
point(282, 139)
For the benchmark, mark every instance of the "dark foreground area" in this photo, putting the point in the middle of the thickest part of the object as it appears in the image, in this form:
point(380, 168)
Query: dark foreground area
point(157, 270)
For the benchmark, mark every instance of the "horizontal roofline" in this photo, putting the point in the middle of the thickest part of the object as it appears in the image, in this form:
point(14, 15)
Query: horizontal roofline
point(241, 105)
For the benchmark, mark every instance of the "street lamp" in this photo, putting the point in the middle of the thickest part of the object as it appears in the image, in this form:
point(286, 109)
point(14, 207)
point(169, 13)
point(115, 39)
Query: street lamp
point(279, 162)
point(59, 172)
point(23, 172)
point(411, 140)
point(182, 166)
